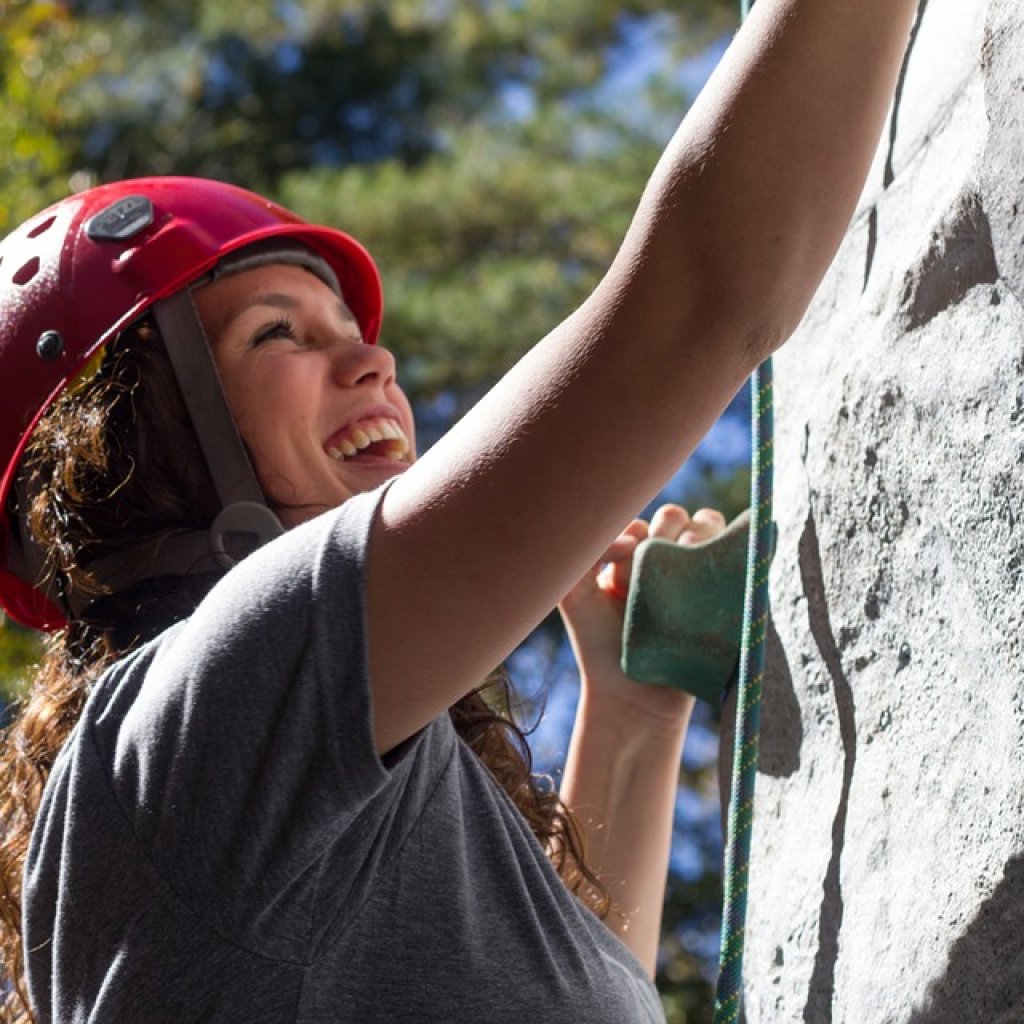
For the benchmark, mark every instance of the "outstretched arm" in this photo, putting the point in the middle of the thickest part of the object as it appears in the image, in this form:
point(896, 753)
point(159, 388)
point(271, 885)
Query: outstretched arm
point(737, 226)
point(622, 772)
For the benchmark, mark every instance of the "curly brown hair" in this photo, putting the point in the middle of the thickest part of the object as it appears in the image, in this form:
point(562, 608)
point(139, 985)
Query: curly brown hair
point(116, 458)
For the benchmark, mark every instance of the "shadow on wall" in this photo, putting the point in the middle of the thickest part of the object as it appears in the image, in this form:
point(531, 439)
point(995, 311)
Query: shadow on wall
point(782, 730)
point(984, 982)
point(781, 727)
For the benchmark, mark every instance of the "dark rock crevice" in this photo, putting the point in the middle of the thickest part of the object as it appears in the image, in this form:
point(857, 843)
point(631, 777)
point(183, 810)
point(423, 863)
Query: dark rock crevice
point(889, 174)
point(818, 1009)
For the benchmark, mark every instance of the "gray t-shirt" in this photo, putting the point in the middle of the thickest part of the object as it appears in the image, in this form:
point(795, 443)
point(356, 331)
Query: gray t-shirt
point(219, 841)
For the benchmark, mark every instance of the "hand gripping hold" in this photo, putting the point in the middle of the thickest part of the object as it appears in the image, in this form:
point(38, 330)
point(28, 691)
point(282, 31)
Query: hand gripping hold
point(684, 612)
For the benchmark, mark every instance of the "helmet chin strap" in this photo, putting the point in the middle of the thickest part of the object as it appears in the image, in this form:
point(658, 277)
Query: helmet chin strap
point(244, 523)
point(245, 520)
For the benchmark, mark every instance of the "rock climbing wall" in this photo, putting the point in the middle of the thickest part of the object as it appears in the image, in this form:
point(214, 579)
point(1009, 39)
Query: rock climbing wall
point(888, 880)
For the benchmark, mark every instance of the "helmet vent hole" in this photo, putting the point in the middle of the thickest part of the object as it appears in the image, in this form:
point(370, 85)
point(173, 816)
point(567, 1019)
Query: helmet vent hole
point(41, 227)
point(25, 274)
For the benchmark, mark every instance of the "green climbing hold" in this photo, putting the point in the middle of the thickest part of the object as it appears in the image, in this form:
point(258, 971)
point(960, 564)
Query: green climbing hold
point(684, 612)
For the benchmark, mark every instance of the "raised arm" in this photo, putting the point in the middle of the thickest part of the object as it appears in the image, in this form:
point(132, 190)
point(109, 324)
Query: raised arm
point(740, 220)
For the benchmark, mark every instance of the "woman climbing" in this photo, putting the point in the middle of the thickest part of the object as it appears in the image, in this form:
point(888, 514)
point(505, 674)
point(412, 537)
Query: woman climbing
point(256, 780)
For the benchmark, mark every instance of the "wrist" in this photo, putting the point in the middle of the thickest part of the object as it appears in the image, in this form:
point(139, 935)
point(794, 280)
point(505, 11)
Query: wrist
point(633, 714)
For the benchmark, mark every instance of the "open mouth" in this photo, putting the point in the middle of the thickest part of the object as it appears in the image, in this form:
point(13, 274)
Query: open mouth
point(379, 437)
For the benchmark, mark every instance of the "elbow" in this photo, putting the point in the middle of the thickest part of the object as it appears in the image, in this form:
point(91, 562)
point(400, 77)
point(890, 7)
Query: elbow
point(759, 302)
point(740, 305)
point(753, 317)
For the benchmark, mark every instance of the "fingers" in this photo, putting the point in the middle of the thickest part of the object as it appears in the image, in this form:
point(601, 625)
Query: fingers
point(633, 534)
point(669, 522)
point(673, 522)
point(706, 524)
point(618, 560)
point(625, 544)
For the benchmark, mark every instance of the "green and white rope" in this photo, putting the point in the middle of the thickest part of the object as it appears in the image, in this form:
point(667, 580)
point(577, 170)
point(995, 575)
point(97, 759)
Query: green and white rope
point(736, 867)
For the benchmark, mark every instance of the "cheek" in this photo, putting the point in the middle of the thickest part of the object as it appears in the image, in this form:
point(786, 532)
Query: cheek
point(264, 396)
point(239, 389)
point(267, 414)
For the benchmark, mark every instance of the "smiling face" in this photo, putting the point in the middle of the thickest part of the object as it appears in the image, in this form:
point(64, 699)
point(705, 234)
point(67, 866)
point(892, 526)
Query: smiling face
point(319, 410)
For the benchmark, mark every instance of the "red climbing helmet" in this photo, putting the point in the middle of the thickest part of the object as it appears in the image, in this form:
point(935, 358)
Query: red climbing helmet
point(77, 274)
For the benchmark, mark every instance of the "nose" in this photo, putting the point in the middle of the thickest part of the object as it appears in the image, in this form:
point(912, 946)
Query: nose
point(357, 364)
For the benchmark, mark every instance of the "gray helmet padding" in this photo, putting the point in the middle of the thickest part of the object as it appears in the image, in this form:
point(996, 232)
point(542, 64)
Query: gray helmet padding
point(272, 251)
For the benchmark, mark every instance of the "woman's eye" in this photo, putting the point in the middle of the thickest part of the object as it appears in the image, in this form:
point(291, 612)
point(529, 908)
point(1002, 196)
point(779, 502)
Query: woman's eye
point(280, 328)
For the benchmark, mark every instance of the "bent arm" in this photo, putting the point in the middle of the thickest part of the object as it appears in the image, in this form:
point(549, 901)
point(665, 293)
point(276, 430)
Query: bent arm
point(622, 771)
point(477, 542)
point(621, 779)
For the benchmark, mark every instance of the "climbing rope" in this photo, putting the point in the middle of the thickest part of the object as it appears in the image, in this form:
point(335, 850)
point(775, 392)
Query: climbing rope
point(736, 867)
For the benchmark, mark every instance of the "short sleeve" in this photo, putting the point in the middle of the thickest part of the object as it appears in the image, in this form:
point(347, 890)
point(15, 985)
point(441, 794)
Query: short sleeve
point(245, 752)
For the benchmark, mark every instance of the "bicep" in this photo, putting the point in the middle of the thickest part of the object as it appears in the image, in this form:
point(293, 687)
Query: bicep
point(477, 542)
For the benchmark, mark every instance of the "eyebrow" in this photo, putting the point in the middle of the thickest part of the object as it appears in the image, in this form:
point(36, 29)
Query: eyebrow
point(278, 300)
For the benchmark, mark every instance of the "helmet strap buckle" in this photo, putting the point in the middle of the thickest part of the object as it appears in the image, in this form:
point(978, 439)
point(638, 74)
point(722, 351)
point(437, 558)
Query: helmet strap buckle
point(241, 528)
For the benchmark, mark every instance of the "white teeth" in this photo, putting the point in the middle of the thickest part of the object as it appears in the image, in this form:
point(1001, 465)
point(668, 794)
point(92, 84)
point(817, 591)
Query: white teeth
point(369, 432)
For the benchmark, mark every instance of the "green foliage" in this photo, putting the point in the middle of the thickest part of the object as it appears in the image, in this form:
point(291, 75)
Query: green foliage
point(20, 651)
point(727, 491)
point(44, 58)
point(686, 993)
point(463, 140)
point(251, 93)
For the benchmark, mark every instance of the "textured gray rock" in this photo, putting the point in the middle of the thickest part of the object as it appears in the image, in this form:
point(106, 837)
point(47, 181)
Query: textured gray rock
point(888, 875)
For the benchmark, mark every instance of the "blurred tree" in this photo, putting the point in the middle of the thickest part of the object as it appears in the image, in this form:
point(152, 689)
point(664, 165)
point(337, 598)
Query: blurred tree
point(248, 94)
point(20, 649)
point(475, 146)
point(44, 60)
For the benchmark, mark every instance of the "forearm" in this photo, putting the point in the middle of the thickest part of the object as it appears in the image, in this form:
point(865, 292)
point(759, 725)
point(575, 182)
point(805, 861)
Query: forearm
point(753, 195)
point(620, 782)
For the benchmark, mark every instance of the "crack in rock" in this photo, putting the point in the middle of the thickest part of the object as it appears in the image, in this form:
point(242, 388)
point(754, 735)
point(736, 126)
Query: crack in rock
point(821, 992)
point(889, 176)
